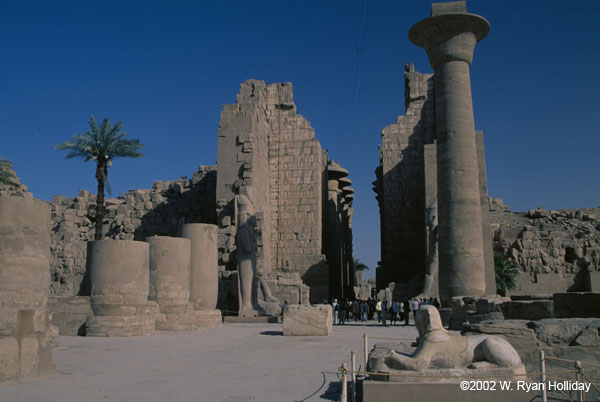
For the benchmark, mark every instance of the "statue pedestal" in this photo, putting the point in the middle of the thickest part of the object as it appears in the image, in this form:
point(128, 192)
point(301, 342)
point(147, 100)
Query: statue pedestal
point(250, 313)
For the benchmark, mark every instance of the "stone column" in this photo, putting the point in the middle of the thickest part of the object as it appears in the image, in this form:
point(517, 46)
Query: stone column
point(449, 37)
point(170, 273)
point(119, 276)
point(204, 285)
point(333, 240)
point(26, 336)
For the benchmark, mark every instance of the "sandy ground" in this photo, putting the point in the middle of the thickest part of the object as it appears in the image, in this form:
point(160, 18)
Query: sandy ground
point(237, 362)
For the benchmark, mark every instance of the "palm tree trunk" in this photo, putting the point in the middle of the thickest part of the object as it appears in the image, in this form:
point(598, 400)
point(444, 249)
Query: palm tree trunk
point(99, 199)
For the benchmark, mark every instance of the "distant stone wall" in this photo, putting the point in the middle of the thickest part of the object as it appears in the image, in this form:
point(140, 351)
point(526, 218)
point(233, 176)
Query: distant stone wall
point(134, 216)
point(556, 251)
point(401, 190)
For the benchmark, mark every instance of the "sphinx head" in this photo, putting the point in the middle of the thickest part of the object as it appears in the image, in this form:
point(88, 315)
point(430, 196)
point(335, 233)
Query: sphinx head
point(428, 320)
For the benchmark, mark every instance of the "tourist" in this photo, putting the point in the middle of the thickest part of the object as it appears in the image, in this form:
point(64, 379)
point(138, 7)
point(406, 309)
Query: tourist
point(384, 308)
point(414, 306)
point(363, 310)
point(400, 310)
point(378, 309)
point(335, 307)
point(343, 312)
point(394, 310)
point(356, 310)
point(371, 308)
point(406, 312)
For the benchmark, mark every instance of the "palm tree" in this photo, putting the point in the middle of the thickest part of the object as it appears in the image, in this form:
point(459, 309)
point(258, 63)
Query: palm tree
point(103, 143)
point(7, 178)
point(506, 272)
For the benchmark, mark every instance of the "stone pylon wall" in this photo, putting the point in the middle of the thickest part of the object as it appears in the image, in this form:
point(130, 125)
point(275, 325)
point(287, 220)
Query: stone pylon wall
point(402, 181)
point(297, 169)
point(269, 153)
point(136, 215)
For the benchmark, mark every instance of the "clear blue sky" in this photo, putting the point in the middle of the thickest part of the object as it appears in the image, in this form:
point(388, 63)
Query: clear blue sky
point(165, 68)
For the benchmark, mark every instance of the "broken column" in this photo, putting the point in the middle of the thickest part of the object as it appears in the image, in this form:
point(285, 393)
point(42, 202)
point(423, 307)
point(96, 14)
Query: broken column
point(119, 277)
point(449, 37)
point(204, 271)
point(26, 336)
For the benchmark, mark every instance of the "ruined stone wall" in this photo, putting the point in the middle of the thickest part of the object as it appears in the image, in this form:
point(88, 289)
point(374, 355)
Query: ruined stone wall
point(556, 251)
point(402, 182)
point(134, 216)
point(296, 194)
point(269, 153)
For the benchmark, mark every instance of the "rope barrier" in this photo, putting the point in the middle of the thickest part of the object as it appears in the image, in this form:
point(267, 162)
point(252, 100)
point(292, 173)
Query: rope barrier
point(571, 361)
point(393, 339)
point(454, 377)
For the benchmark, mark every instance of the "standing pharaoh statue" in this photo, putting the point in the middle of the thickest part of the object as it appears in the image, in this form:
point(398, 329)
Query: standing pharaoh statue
point(430, 285)
point(246, 244)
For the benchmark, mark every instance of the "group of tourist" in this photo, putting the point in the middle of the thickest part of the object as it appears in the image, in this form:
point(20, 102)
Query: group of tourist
point(365, 310)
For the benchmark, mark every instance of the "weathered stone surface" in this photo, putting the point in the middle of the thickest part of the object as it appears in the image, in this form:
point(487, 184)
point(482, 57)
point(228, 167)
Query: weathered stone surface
point(24, 252)
point(9, 358)
point(577, 304)
point(140, 325)
point(528, 309)
point(556, 251)
point(303, 320)
point(69, 313)
point(189, 321)
point(563, 331)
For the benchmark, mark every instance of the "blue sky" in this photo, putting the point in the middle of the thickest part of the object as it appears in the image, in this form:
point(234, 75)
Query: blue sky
point(165, 68)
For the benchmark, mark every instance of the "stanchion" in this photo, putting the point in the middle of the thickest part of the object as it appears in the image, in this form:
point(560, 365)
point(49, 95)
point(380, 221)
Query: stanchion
point(543, 376)
point(579, 377)
point(344, 396)
point(365, 352)
point(353, 394)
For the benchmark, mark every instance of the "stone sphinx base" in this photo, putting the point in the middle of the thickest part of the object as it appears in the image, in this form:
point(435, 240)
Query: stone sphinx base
point(454, 375)
point(432, 390)
point(26, 339)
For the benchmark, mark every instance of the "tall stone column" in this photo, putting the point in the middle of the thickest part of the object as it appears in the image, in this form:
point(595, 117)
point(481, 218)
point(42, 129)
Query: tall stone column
point(449, 37)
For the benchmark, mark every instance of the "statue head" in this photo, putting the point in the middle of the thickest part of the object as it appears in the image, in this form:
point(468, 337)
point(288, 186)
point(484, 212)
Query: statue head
point(244, 208)
point(428, 320)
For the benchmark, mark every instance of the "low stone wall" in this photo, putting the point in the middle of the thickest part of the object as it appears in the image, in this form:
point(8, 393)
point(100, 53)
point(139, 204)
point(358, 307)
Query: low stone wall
point(302, 320)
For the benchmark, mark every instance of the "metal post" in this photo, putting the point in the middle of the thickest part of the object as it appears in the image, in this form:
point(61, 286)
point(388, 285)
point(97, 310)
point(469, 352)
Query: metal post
point(544, 395)
point(579, 379)
point(353, 395)
point(365, 354)
point(344, 396)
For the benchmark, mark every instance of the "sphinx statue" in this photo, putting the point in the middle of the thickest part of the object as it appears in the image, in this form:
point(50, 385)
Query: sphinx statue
point(440, 349)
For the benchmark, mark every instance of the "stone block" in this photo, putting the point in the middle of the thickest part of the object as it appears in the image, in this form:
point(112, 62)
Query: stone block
point(577, 304)
point(528, 309)
point(303, 320)
point(8, 321)
point(29, 356)
point(563, 331)
point(9, 358)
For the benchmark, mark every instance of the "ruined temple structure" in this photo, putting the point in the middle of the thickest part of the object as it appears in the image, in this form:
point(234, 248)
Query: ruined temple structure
point(431, 181)
point(266, 152)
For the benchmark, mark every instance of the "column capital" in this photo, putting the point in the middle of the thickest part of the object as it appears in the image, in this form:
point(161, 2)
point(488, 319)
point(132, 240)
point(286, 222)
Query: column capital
point(449, 37)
